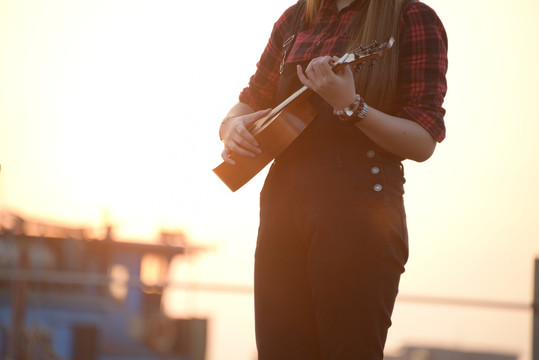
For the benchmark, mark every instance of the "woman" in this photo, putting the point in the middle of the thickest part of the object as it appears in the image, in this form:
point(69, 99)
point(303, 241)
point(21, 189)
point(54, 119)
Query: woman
point(332, 240)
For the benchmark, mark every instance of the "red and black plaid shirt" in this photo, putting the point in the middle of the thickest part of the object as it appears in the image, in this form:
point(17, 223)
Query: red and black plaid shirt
point(422, 60)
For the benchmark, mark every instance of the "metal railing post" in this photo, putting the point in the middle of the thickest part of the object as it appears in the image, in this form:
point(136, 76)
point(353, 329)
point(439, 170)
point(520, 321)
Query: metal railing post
point(535, 333)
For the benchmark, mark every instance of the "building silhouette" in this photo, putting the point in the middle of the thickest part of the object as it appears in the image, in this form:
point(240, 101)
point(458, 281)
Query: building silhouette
point(67, 295)
point(431, 353)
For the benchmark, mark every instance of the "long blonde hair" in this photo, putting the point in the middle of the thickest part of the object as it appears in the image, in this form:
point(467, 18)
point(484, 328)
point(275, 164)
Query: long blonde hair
point(378, 21)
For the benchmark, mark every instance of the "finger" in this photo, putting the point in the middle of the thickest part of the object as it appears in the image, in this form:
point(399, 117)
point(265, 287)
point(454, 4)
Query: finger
point(241, 150)
point(326, 61)
point(302, 77)
point(334, 60)
point(251, 118)
point(347, 72)
point(245, 140)
point(319, 63)
point(242, 141)
point(225, 155)
point(318, 71)
point(323, 67)
point(310, 71)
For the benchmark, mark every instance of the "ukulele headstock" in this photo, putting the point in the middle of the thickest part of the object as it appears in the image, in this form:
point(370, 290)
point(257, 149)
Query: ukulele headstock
point(363, 54)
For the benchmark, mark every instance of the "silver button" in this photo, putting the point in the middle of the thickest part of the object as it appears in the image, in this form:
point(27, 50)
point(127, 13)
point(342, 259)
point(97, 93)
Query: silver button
point(377, 187)
point(375, 170)
point(370, 154)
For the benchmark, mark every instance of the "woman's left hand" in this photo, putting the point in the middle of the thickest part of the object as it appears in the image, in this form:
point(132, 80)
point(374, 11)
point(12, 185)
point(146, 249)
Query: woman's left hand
point(337, 89)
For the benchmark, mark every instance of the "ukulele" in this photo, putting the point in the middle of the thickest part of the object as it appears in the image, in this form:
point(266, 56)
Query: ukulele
point(277, 130)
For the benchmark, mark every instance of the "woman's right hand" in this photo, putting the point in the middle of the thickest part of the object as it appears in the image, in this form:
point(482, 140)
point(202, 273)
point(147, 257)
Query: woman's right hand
point(237, 139)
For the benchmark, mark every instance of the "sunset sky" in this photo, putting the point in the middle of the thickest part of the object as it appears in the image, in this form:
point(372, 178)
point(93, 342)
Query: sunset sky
point(109, 111)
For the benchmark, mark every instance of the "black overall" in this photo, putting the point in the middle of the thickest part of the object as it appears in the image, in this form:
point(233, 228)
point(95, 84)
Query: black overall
point(332, 243)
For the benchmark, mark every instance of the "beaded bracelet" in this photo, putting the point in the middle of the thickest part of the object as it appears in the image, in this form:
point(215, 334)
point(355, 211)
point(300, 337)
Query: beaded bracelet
point(353, 113)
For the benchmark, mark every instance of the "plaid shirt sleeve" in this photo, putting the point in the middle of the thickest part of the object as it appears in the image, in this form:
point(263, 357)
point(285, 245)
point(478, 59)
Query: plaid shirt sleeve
point(422, 67)
point(262, 89)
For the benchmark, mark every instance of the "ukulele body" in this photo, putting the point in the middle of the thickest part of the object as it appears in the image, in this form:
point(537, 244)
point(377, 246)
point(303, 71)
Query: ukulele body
point(277, 131)
point(273, 136)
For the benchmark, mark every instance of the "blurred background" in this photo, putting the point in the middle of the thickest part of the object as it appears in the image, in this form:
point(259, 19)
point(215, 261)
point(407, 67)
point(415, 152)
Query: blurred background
point(109, 112)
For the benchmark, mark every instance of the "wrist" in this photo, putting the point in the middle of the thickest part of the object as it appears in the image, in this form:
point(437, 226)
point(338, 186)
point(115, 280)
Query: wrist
point(344, 102)
point(353, 113)
point(223, 123)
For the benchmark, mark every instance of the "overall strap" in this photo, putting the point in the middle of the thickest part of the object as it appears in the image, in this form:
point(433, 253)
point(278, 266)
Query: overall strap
point(295, 26)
